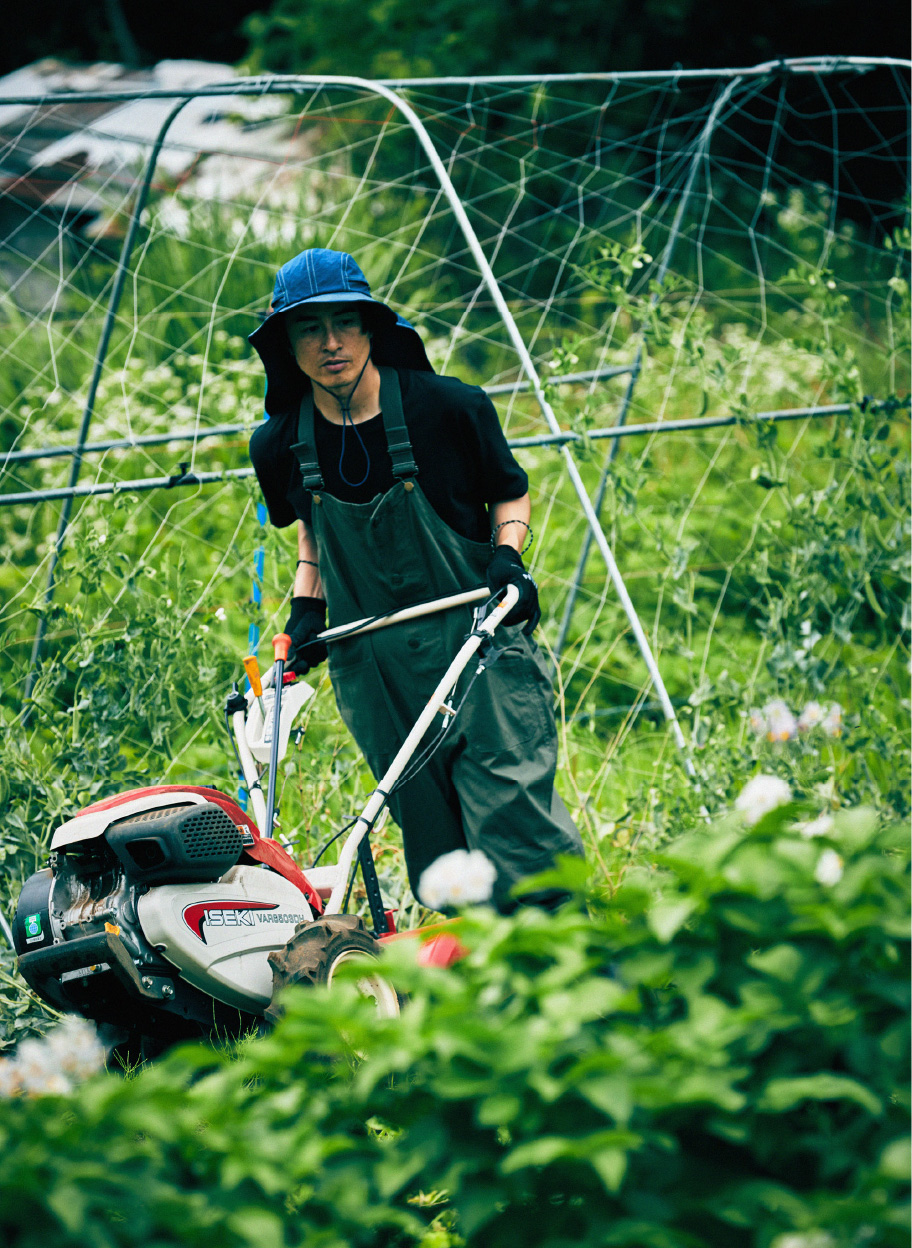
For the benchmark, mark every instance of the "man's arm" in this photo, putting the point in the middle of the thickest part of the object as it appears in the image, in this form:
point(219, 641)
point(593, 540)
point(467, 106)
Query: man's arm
point(503, 514)
point(506, 566)
point(308, 607)
point(307, 583)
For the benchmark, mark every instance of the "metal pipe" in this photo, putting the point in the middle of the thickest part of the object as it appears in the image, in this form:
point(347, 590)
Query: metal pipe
point(249, 770)
point(288, 83)
point(699, 153)
point(370, 625)
point(547, 439)
point(107, 329)
point(122, 444)
point(226, 431)
point(281, 642)
point(567, 379)
point(597, 508)
point(708, 422)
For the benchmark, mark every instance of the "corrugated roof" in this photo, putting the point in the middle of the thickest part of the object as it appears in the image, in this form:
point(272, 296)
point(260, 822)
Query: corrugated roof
point(46, 149)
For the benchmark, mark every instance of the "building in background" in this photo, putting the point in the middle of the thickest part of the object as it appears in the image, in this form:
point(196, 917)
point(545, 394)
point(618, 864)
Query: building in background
point(68, 170)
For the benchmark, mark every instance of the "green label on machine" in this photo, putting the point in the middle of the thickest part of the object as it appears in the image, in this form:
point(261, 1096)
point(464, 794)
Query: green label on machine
point(33, 927)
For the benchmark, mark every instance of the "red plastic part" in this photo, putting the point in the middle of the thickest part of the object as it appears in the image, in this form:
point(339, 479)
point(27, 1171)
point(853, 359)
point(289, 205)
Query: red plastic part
point(228, 804)
point(443, 949)
point(263, 850)
point(274, 855)
point(281, 644)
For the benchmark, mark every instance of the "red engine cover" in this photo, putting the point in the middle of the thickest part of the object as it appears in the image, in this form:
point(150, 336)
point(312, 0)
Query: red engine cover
point(263, 849)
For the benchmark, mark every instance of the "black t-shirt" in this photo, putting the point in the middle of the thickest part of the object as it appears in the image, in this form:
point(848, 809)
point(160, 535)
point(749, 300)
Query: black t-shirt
point(464, 463)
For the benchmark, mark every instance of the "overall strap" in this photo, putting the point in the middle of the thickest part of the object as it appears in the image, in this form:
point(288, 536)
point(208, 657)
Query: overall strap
point(397, 439)
point(305, 449)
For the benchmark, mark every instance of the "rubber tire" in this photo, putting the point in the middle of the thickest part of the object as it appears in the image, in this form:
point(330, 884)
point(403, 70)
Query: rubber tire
point(314, 952)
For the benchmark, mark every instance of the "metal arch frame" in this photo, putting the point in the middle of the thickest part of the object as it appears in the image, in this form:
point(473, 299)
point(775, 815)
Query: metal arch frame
point(490, 281)
point(120, 277)
point(268, 83)
point(700, 148)
point(296, 83)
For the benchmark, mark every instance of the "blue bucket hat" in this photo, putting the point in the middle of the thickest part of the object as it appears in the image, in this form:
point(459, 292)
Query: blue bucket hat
point(322, 276)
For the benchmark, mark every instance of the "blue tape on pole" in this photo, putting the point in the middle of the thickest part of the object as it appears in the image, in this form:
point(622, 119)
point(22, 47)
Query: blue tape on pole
point(253, 632)
point(259, 563)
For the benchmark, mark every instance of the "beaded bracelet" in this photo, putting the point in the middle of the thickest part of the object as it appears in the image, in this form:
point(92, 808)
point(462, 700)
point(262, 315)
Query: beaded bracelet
point(527, 527)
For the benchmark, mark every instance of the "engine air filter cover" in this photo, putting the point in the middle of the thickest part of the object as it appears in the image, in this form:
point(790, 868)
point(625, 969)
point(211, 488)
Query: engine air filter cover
point(180, 844)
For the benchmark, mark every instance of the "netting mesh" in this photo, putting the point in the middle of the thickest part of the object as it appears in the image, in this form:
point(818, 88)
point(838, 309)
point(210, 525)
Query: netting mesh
point(701, 247)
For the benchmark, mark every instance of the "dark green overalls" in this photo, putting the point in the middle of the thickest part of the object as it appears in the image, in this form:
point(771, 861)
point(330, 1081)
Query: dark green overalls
point(490, 786)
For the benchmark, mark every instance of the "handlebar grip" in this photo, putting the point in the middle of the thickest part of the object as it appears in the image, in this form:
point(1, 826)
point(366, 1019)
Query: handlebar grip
point(252, 668)
point(509, 597)
point(281, 644)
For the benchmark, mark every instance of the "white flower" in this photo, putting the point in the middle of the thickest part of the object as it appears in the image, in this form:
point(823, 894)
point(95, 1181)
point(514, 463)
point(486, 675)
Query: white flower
point(460, 878)
point(780, 722)
point(810, 717)
point(804, 1239)
point(829, 868)
point(39, 1081)
point(761, 795)
point(832, 722)
point(75, 1047)
point(50, 1065)
point(220, 615)
point(10, 1080)
point(821, 826)
point(757, 721)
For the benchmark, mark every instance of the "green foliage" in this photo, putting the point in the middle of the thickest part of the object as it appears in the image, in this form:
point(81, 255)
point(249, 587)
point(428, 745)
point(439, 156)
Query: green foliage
point(390, 38)
point(716, 1058)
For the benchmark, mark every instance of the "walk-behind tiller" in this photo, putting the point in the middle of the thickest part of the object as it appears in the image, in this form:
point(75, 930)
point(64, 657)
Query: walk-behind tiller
point(165, 913)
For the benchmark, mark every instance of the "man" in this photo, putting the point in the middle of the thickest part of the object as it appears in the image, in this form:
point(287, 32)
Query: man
point(404, 489)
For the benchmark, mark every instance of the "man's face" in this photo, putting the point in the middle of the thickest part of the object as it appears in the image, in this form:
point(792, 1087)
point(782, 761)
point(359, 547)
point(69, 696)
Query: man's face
point(329, 343)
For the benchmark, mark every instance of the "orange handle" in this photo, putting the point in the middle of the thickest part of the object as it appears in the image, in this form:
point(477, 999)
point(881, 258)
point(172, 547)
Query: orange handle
point(252, 668)
point(281, 644)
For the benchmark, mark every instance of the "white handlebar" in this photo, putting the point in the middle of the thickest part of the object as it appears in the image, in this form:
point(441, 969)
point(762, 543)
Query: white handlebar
point(370, 624)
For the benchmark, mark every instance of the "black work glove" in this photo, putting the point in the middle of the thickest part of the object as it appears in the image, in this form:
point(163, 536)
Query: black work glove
point(307, 619)
point(506, 568)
